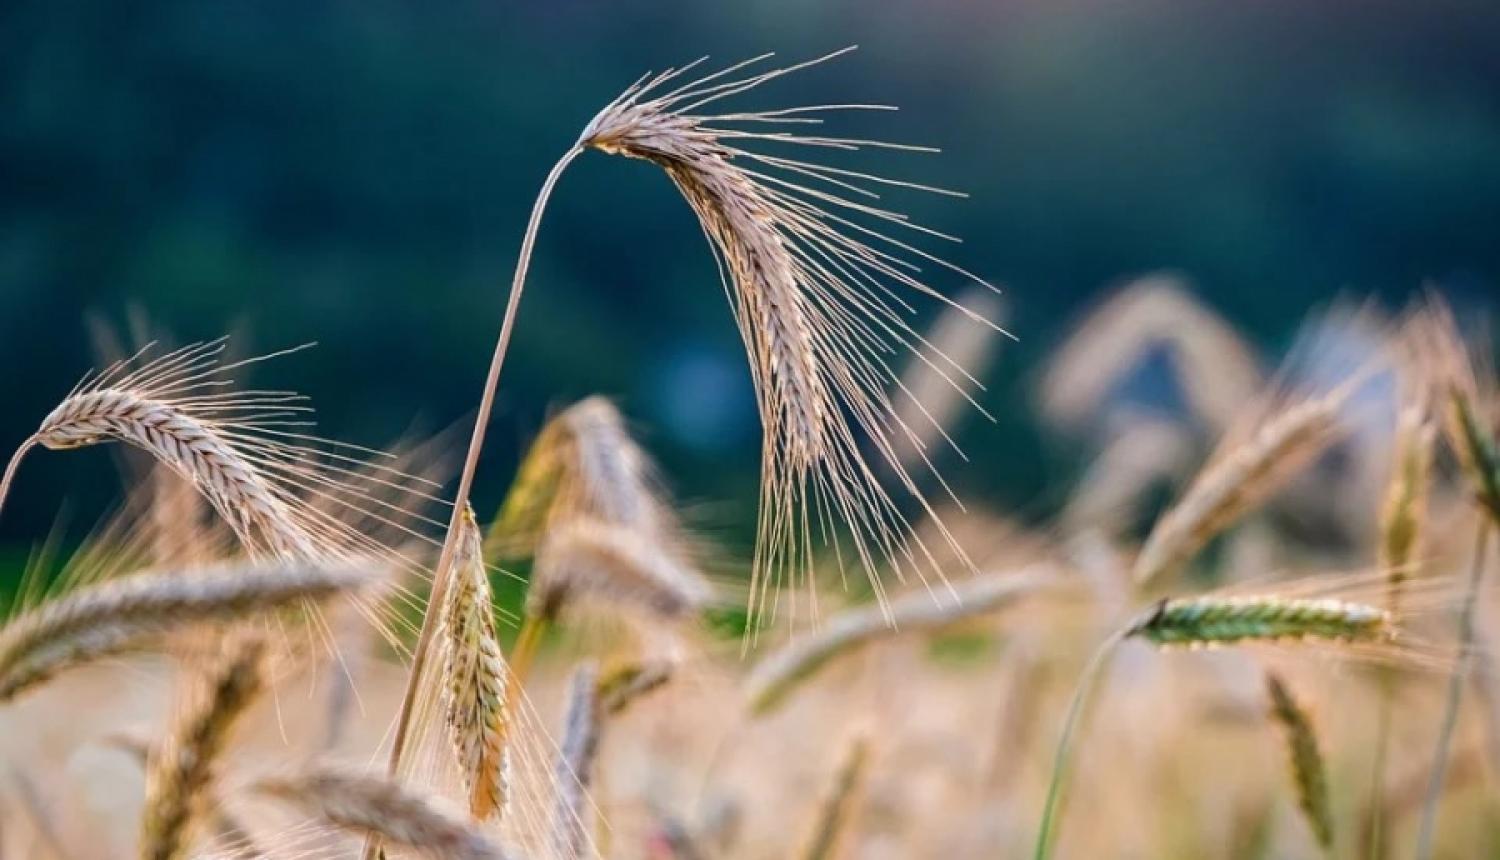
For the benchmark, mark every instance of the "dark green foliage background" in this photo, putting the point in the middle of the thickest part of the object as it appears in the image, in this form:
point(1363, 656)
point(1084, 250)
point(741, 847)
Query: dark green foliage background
point(357, 173)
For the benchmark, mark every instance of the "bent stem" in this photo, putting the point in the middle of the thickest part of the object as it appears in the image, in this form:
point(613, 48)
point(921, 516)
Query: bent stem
point(1467, 629)
point(12, 466)
point(1065, 740)
point(442, 573)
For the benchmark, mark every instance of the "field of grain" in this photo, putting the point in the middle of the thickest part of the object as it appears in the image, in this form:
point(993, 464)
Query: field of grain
point(1261, 626)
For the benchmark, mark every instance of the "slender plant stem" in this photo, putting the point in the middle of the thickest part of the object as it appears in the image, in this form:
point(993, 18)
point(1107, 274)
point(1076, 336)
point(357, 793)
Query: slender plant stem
point(10, 468)
point(1466, 633)
point(1065, 740)
point(466, 478)
point(1375, 835)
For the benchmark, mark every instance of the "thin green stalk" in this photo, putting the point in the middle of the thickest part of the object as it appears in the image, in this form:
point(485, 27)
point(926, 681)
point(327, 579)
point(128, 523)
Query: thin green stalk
point(1466, 633)
point(441, 574)
point(1375, 836)
point(1064, 741)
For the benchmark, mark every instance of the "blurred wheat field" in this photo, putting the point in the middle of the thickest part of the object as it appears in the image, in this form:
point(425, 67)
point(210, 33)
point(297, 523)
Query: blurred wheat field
point(1259, 627)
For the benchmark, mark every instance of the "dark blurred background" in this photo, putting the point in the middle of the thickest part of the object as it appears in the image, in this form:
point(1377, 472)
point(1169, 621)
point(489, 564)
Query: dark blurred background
point(358, 173)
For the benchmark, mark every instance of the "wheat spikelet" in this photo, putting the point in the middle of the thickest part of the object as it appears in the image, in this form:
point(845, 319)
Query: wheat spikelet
point(475, 674)
point(775, 677)
point(399, 815)
point(583, 464)
point(817, 299)
point(119, 614)
point(589, 560)
point(1207, 621)
point(1309, 774)
point(179, 773)
point(574, 769)
point(836, 808)
point(1239, 478)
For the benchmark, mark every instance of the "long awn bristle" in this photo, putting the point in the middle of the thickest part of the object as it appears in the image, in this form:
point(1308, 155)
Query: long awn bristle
point(475, 673)
point(119, 614)
point(179, 773)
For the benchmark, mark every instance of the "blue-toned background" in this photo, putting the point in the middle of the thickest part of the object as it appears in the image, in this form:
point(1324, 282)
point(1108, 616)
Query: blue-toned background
point(357, 173)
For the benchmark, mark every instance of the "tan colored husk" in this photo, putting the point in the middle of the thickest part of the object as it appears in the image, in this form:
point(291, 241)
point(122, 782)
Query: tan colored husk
point(475, 699)
point(588, 560)
point(776, 676)
point(400, 815)
point(180, 772)
point(1239, 478)
point(119, 614)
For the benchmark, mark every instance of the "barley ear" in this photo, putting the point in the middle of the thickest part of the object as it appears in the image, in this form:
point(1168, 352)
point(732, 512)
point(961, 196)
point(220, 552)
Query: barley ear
point(1309, 773)
point(179, 773)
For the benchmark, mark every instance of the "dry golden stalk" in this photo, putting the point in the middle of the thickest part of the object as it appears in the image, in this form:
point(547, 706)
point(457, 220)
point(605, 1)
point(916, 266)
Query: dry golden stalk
point(475, 695)
point(178, 774)
point(1209, 621)
point(1239, 478)
point(400, 815)
point(1309, 774)
point(574, 769)
point(832, 821)
point(120, 614)
point(778, 675)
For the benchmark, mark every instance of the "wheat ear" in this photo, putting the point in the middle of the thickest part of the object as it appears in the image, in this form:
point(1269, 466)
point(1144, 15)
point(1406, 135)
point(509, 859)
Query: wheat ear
point(1211, 621)
point(475, 696)
point(1238, 479)
point(574, 769)
point(775, 677)
point(400, 815)
point(179, 772)
point(818, 300)
point(119, 614)
point(1309, 774)
point(831, 823)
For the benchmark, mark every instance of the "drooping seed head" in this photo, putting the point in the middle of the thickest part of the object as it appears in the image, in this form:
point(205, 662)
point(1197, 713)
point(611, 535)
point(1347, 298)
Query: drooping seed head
point(1309, 773)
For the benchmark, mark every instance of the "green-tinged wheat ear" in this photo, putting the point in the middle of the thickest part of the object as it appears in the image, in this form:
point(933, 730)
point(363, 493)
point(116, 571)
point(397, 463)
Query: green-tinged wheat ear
point(831, 823)
point(1478, 453)
point(179, 773)
point(1207, 621)
point(121, 614)
point(475, 694)
point(400, 815)
point(1309, 774)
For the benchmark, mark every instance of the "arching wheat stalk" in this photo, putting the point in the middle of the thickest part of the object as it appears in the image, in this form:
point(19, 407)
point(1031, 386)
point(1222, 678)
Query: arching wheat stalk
point(817, 296)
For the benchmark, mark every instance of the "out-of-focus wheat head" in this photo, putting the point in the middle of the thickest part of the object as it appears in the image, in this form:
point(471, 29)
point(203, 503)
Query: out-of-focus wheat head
point(820, 296)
